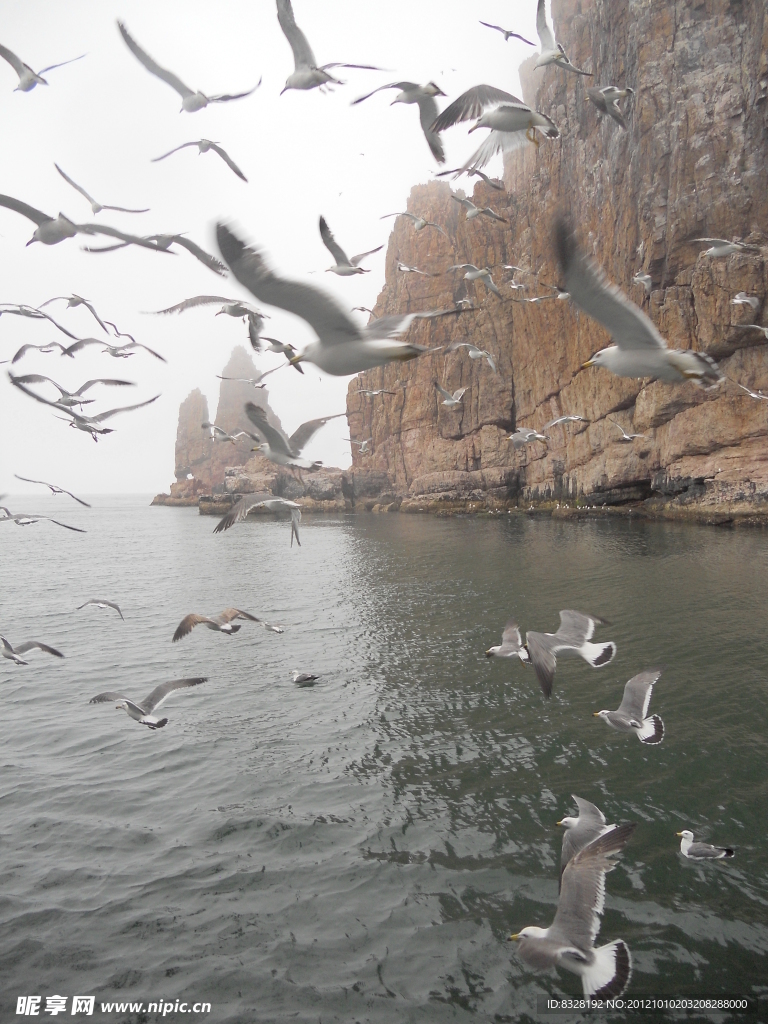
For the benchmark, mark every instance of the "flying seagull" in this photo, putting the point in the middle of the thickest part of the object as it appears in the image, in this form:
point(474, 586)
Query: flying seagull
point(162, 243)
point(742, 299)
point(376, 391)
point(53, 488)
point(36, 314)
point(607, 101)
point(142, 713)
point(70, 398)
point(475, 172)
point(277, 446)
point(95, 207)
point(749, 391)
point(344, 266)
point(526, 435)
point(342, 347)
point(581, 830)
point(571, 418)
point(364, 446)
point(28, 78)
point(257, 381)
point(219, 434)
point(52, 230)
point(116, 351)
point(473, 352)
point(77, 300)
point(7, 650)
point(222, 622)
point(240, 510)
point(569, 940)
point(541, 649)
point(475, 211)
point(451, 400)
point(723, 247)
point(702, 851)
point(418, 222)
point(190, 100)
point(230, 307)
point(26, 519)
point(404, 268)
point(638, 350)
point(474, 273)
point(203, 146)
point(631, 713)
point(102, 603)
point(645, 280)
point(625, 437)
point(307, 73)
point(551, 52)
point(508, 34)
point(88, 424)
point(424, 96)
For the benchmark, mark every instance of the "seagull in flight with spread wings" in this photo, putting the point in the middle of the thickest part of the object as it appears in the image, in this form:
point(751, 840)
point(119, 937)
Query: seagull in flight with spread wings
point(204, 146)
point(52, 230)
point(551, 51)
point(28, 78)
point(344, 266)
point(95, 207)
point(53, 488)
point(71, 398)
point(272, 503)
point(142, 712)
point(424, 97)
point(277, 446)
point(508, 34)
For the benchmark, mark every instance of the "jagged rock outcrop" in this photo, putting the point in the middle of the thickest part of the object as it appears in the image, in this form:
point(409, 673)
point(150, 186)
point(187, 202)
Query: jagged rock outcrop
point(691, 163)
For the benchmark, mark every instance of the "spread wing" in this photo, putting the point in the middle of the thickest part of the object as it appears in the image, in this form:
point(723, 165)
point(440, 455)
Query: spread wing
point(160, 692)
point(197, 300)
point(176, 149)
point(496, 142)
point(230, 614)
point(300, 438)
point(275, 438)
point(391, 85)
point(107, 381)
point(332, 245)
point(302, 51)
point(26, 211)
point(471, 104)
point(187, 624)
point(357, 260)
point(109, 695)
point(153, 67)
point(210, 261)
point(29, 645)
point(228, 161)
point(542, 654)
point(241, 509)
point(13, 60)
point(637, 694)
point(511, 641)
point(575, 627)
point(428, 112)
point(628, 326)
point(546, 36)
point(78, 188)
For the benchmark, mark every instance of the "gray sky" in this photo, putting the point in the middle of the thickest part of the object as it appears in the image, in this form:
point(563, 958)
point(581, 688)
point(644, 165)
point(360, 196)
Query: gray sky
point(103, 118)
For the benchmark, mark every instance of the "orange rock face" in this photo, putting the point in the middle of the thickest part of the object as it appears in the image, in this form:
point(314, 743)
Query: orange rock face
point(692, 163)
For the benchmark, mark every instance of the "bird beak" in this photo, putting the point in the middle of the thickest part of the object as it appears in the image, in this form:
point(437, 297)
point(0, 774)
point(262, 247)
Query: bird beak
point(589, 362)
point(678, 833)
point(558, 823)
point(513, 938)
point(285, 87)
point(489, 654)
point(595, 714)
point(474, 126)
point(31, 239)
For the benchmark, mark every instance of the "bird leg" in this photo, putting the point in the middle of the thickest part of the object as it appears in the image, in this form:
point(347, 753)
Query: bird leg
point(530, 134)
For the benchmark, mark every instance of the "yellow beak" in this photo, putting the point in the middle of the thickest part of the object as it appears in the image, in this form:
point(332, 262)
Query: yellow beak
point(589, 362)
point(678, 833)
point(558, 823)
point(513, 938)
point(595, 714)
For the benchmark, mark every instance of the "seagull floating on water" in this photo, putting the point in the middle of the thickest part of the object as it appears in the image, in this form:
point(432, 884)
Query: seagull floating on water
point(607, 101)
point(142, 713)
point(702, 851)
point(272, 503)
point(475, 211)
point(551, 51)
point(304, 678)
point(101, 603)
point(204, 146)
point(7, 650)
point(344, 266)
point(95, 207)
point(221, 623)
point(28, 78)
point(631, 713)
point(424, 96)
point(53, 488)
point(190, 100)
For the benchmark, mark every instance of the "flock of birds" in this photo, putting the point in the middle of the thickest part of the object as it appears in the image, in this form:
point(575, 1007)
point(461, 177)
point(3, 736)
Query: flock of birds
point(343, 347)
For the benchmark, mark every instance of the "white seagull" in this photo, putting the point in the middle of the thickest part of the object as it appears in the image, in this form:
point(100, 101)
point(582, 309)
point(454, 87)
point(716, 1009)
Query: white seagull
point(70, 398)
point(475, 172)
point(54, 489)
point(28, 78)
point(88, 424)
point(742, 299)
point(205, 146)
point(277, 446)
point(631, 714)
point(451, 400)
point(607, 101)
point(222, 622)
point(272, 503)
point(95, 207)
point(424, 96)
point(625, 437)
point(749, 391)
point(142, 713)
point(473, 352)
point(344, 266)
point(190, 100)
point(580, 831)
point(307, 73)
point(702, 851)
point(102, 603)
point(162, 243)
point(474, 273)
point(638, 350)
point(116, 351)
point(475, 211)
point(569, 418)
point(507, 33)
point(723, 247)
point(7, 650)
point(219, 434)
point(52, 230)
point(364, 446)
point(77, 300)
point(418, 222)
point(526, 435)
point(26, 519)
point(645, 280)
point(551, 51)
point(569, 941)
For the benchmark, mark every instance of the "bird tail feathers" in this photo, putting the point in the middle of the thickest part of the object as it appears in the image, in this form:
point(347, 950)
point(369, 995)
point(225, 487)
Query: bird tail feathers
point(651, 730)
point(609, 972)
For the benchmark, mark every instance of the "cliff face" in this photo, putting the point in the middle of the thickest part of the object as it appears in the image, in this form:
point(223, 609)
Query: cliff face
point(692, 163)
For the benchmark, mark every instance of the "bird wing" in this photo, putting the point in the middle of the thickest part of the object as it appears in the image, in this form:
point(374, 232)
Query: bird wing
point(113, 412)
point(458, 395)
point(582, 895)
point(224, 97)
point(210, 261)
point(391, 85)
point(197, 300)
point(241, 509)
point(589, 814)
point(13, 60)
point(332, 245)
point(300, 438)
point(36, 378)
point(65, 525)
point(85, 302)
point(510, 638)
point(187, 624)
point(496, 142)
point(228, 161)
point(229, 614)
point(29, 645)
point(39, 398)
point(356, 260)
point(124, 209)
point(637, 694)
point(60, 64)
point(26, 211)
point(542, 654)
point(46, 484)
point(158, 695)
point(151, 66)
point(471, 104)
point(546, 36)
point(184, 145)
point(102, 380)
point(30, 311)
point(104, 229)
point(109, 695)
point(446, 394)
point(576, 627)
point(428, 112)
point(302, 51)
point(78, 188)
point(137, 344)
point(276, 439)
point(323, 313)
point(628, 326)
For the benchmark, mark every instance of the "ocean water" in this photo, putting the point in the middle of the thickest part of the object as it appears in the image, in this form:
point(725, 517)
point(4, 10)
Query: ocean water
point(360, 850)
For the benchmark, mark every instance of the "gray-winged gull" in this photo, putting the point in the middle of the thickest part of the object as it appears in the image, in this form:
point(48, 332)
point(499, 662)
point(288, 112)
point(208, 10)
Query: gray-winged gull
point(54, 489)
point(52, 230)
point(568, 418)
point(344, 265)
point(526, 435)
point(304, 678)
point(29, 519)
point(645, 280)
point(222, 622)
point(88, 424)
point(742, 299)
point(424, 96)
point(418, 222)
point(724, 247)
point(271, 502)
point(7, 650)
point(476, 211)
point(277, 446)
point(70, 398)
point(473, 352)
point(482, 274)
point(142, 713)
point(625, 437)
point(701, 851)
point(95, 207)
point(451, 400)
point(77, 300)
point(551, 51)
point(100, 602)
point(205, 146)
point(28, 78)
point(607, 101)
point(581, 830)
point(630, 716)
point(569, 941)
point(508, 33)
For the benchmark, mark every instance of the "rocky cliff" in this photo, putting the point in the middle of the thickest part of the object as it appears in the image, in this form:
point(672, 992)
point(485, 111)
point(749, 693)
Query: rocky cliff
point(692, 163)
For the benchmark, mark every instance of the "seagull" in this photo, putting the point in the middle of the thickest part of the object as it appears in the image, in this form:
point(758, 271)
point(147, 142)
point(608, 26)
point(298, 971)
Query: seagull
point(77, 300)
point(230, 307)
point(474, 352)
point(475, 172)
point(7, 650)
point(52, 230)
point(569, 940)
point(25, 519)
point(304, 678)
point(541, 649)
point(565, 419)
point(342, 347)
point(742, 299)
point(418, 222)
point(190, 101)
point(218, 434)
point(88, 424)
point(404, 268)
point(95, 207)
point(526, 435)
point(551, 52)
point(100, 603)
point(70, 398)
point(582, 830)
point(28, 78)
point(240, 510)
point(203, 146)
point(475, 211)
point(255, 381)
point(749, 391)
point(507, 33)
point(344, 266)
point(222, 622)
point(451, 400)
point(277, 446)
point(142, 713)
point(702, 851)
point(307, 73)
point(162, 243)
point(37, 314)
point(631, 713)
point(53, 488)
point(645, 280)
point(116, 351)
point(625, 437)
point(607, 101)
point(638, 350)
point(751, 327)
point(474, 273)
point(424, 96)
point(722, 247)
point(376, 391)
point(364, 446)
point(50, 347)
